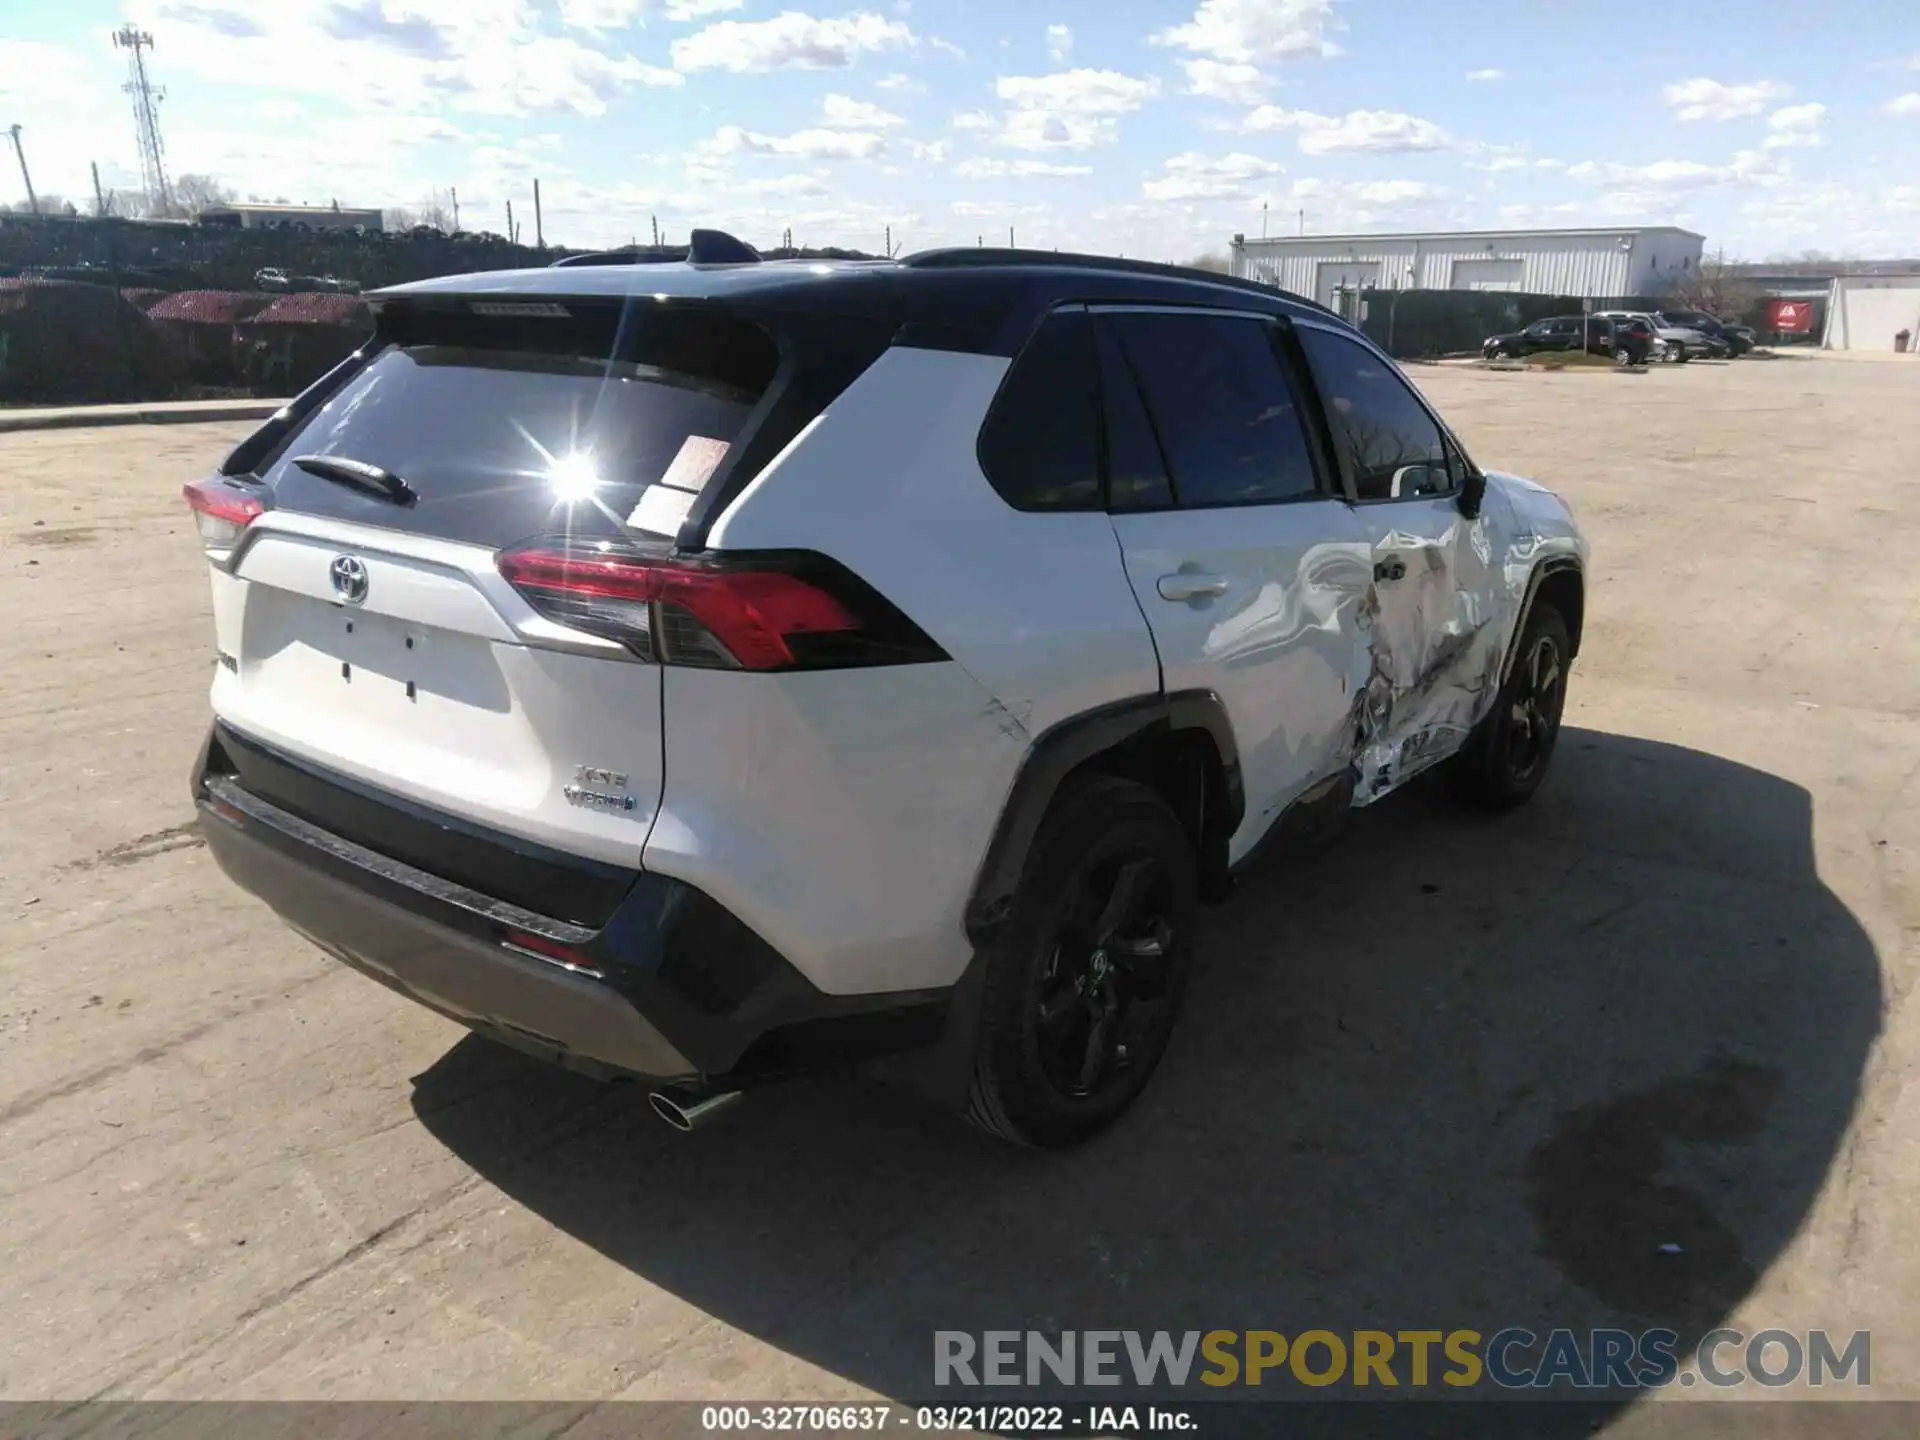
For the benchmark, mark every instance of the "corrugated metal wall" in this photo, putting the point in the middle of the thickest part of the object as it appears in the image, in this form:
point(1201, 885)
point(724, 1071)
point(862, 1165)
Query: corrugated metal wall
point(1551, 264)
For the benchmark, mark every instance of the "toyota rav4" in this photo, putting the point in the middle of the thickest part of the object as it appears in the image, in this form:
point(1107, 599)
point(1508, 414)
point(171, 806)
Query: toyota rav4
point(719, 671)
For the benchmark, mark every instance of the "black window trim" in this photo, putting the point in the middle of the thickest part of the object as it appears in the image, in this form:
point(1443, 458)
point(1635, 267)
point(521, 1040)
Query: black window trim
point(1448, 439)
point(1306, 403)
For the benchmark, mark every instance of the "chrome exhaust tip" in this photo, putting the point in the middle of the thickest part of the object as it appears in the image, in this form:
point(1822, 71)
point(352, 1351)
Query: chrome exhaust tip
point(686, 1113)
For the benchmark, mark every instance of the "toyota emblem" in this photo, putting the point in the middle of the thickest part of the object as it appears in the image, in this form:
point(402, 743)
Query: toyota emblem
point(349, 575)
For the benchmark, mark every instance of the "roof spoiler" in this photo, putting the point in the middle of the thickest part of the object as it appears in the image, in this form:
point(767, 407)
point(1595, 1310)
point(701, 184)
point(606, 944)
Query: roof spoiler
point(708, 247)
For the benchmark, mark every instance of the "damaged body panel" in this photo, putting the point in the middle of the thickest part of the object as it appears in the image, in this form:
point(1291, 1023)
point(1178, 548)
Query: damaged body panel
point(1441, 636)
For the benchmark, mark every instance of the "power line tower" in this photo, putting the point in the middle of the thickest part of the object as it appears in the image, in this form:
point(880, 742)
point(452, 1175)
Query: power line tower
point(146, 116)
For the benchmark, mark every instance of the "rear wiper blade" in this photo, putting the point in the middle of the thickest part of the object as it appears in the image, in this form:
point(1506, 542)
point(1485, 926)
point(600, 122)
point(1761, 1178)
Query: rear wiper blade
point(370, 478)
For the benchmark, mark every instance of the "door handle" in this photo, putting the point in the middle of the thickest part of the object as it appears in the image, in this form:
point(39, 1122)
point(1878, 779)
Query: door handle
point(1190, 585)
point(1392, 568)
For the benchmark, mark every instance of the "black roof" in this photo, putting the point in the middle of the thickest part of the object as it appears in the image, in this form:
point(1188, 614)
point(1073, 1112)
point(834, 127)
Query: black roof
point(981, 300)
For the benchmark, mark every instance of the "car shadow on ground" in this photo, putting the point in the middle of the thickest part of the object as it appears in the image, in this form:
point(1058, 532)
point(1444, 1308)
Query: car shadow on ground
point(1447, 1070)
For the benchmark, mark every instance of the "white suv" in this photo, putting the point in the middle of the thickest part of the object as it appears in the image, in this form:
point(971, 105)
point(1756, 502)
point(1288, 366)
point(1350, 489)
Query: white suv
point(718, 671)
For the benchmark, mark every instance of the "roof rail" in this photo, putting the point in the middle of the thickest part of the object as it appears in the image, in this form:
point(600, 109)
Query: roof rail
point(989, 257)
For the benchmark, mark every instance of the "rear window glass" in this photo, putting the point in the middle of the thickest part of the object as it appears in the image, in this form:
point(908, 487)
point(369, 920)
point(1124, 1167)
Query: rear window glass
point(508, 435)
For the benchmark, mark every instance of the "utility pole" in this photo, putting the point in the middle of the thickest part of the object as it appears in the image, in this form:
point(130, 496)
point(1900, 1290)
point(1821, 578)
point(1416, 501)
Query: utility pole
point(146, 116)
point(512, 239)
point(539, 233)
point(656, 230)
point(454, 195)
point(1303, 222)
point(1010, 244)
point(33, 201)
point(1263, 219)
point(99, 199)
point(887, 248)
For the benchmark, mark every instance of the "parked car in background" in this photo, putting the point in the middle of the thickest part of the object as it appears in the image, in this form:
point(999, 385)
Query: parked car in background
point(1746, 338)
point(1712, 328)
point(1561, 332)
point(1676, 343)
point(1634, 342)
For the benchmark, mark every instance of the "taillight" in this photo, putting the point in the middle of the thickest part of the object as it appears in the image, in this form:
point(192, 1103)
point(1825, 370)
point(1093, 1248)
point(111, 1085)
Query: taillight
point(222, 510)
point(768, 611)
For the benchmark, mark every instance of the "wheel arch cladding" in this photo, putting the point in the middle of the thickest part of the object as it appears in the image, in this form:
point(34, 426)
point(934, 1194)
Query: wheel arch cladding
point(1182, 745)
point(1563, 586)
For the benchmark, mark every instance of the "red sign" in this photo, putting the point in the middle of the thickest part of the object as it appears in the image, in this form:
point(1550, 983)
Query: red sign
point(1791, 317)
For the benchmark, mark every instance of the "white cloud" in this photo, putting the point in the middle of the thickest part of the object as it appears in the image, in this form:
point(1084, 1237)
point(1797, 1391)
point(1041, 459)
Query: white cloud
point(985, 168)
point(1795, 125)
point(800, 184)
point(1059, 41)
point(1380, 132)
point(1704, 99)
point(1661, 189)
point(1222, 80)
point(1042, 130)
point(1068, 110)
point(899, 84)
point(791, 40)
point(845, 113)
point(600, 15)
point(1333, 206)
point(934, 152)
point(1488, 75)
point(548, 74)
point(1192, 176)
point(684, 10)
point(804, 144)
point(1905, 105)
point(1249, 31)
point(1078, 92)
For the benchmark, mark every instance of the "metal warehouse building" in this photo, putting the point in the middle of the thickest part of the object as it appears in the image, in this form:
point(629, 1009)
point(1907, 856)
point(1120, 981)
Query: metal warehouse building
point(1611, 262)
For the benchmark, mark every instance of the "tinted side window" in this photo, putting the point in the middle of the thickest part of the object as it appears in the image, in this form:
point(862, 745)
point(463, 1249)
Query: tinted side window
point(1136, 471)
point(1040, 446)
point(1379, 425)
point(1225, 416)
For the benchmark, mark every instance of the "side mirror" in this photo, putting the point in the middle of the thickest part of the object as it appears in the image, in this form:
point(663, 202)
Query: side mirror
point(1472, 492)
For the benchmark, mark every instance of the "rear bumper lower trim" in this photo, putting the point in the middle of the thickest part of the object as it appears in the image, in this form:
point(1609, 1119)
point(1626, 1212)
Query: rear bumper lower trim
point(524, 1002)
point(671, 987)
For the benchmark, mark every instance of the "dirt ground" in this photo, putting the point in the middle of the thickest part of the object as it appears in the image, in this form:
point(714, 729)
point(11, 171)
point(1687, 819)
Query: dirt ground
point(1445, 1071)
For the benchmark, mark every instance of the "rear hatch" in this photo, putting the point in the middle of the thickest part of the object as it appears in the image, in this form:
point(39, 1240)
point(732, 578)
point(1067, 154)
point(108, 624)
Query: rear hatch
point(364, 624)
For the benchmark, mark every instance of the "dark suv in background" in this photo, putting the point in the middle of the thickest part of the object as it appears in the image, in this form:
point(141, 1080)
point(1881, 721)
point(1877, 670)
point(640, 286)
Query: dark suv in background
point(1627, 343)
point(1737, 339)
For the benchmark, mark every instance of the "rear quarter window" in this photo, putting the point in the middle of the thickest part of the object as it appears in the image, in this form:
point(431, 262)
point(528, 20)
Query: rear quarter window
point(1040, 446)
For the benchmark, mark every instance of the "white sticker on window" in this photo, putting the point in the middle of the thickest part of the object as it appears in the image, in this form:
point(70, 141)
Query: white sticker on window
point(699, 457)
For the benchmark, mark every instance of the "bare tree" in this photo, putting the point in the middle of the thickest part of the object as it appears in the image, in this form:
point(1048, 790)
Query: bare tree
point(49, 205)
point(1212, 260)
point(194, 193)
point(432, 213)
point(1716, 286)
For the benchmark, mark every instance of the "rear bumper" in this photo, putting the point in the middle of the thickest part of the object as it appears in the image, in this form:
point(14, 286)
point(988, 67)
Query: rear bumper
point(671, 987)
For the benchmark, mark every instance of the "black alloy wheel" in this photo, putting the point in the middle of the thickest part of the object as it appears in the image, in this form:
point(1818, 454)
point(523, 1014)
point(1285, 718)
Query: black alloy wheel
point(1534, 705)
point(1105, 980)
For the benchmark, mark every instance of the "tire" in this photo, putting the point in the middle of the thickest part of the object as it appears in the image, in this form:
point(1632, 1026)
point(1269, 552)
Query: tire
point(1680, 355)
point(1506, 758)
point(1053, 978)
point(1622, 357)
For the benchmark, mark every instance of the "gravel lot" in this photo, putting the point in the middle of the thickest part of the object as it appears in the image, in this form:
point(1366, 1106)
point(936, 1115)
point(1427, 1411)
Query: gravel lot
point(1445, 1071)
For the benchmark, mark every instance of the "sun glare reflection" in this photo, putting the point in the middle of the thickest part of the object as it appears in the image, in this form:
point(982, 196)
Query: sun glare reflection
point(573, 476)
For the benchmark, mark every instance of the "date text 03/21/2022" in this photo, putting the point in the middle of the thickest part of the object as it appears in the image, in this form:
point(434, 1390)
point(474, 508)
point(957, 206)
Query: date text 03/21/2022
point(1006, 1419)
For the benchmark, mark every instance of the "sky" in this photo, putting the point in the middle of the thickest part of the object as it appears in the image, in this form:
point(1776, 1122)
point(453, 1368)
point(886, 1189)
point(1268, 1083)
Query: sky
point(1155, 128)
